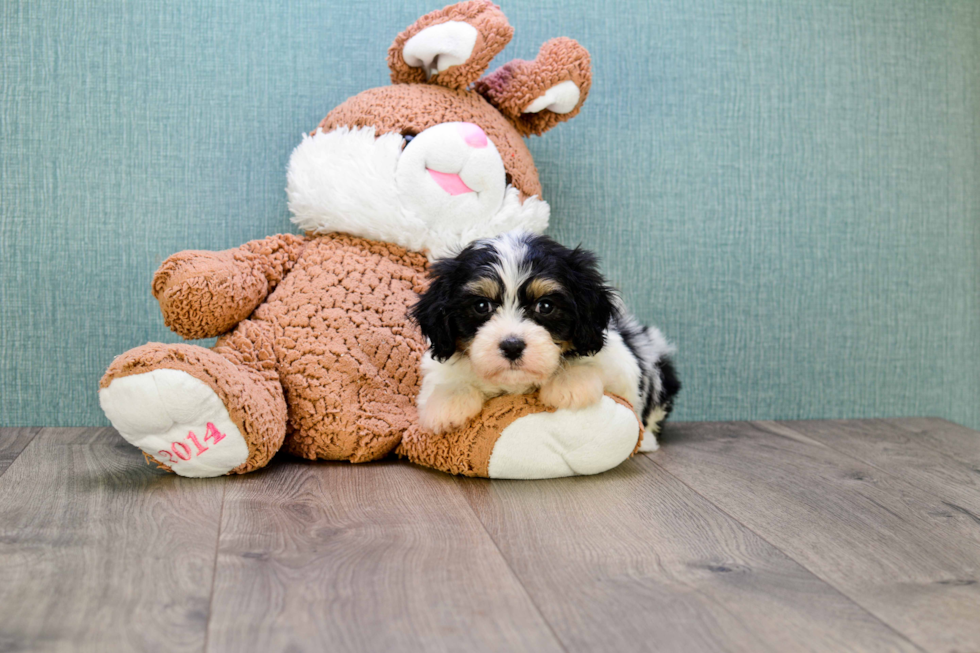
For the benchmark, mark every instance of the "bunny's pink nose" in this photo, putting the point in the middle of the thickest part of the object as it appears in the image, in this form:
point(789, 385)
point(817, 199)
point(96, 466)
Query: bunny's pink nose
point(472, 134)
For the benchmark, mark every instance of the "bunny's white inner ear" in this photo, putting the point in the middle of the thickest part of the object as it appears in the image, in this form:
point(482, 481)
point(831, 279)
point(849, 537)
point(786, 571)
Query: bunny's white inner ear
point(439, 47)
point(560, 98)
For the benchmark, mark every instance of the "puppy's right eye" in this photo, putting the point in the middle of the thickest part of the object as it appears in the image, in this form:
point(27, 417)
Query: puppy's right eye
point(483, 306)
point(545, 307)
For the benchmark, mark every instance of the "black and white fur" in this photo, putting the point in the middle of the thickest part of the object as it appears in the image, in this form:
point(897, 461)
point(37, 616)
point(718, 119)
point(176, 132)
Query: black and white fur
point(520, 312)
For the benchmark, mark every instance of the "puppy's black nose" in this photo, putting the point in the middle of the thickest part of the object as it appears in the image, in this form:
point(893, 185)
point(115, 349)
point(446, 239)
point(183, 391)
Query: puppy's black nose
point(512, 348)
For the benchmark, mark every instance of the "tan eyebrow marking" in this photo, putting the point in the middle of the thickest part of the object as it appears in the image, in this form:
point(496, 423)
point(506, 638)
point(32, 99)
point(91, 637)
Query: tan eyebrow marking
point(486, 286)
point(540, 287)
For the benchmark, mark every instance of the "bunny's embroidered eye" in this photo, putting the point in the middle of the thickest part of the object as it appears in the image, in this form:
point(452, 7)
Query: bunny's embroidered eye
point(407, 137)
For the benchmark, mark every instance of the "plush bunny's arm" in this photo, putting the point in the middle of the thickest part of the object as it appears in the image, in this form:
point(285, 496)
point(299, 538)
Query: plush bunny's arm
point(205, 294)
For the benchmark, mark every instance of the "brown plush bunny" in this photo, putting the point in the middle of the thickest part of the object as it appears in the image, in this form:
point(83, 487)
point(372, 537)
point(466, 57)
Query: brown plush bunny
point(315, 353)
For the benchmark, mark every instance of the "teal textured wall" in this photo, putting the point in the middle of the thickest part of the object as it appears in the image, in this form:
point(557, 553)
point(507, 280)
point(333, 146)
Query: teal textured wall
point(791, 189)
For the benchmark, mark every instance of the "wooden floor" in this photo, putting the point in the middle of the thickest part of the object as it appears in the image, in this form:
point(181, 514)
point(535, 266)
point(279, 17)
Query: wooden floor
point(763, 536)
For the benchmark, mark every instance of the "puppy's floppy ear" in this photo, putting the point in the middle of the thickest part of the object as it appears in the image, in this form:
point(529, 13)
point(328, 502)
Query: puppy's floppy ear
point(593, 302)
point(433, 311)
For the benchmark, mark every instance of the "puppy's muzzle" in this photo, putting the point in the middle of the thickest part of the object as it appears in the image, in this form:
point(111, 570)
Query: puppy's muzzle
point(512, 348)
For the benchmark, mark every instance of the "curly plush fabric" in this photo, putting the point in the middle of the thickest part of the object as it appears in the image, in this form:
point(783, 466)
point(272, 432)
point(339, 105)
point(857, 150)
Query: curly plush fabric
point(493, 35)
point(466, 451)
point(348, 356)
point(411, 109)
point(205, 294)
point(515, 85)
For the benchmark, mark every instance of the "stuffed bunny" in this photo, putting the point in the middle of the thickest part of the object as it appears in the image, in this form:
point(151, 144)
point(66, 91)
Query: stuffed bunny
point(316, 355)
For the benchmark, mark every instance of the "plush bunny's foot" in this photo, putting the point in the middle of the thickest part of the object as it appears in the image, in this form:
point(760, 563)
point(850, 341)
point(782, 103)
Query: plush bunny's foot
point(519, 437)
point(198, 412)
point(566, 442)
point(177, 420)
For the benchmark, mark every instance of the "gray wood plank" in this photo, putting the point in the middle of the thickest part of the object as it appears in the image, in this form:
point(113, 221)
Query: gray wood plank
point(898, 551)
point(952, 439)
point(633, 560)
point(903, 454)
point(99, 552)
point(375, 557)
point(12, 442)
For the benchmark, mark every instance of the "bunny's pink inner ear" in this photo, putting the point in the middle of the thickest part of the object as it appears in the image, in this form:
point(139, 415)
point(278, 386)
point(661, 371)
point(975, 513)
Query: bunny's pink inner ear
point(537, 95)
point(451, 47)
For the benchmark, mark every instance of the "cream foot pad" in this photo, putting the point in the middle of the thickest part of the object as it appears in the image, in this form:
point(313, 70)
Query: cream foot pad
point(565, 442)
point(177, 419)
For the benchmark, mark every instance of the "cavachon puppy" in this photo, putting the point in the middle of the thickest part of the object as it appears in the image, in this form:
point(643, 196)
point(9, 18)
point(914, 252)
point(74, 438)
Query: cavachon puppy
point(520, 312)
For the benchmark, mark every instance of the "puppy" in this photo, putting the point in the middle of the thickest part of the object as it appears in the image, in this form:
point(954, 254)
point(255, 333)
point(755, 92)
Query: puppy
point(518, 313)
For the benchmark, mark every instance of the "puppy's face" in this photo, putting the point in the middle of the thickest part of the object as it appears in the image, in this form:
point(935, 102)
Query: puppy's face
point(515, 304)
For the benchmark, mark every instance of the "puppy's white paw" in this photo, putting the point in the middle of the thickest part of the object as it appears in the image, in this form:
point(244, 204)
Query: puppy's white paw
point(654, 423)
point(575, 387)
point(650, 443)
point(447, 410)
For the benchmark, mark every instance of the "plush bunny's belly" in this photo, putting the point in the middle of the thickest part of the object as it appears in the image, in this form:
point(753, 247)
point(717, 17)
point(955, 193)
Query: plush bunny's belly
point(347, 355)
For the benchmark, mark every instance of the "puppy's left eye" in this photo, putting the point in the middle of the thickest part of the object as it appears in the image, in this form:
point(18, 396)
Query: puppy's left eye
point(544, 307)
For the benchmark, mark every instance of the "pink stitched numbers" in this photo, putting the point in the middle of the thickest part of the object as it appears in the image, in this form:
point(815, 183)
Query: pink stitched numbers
point(179, 450)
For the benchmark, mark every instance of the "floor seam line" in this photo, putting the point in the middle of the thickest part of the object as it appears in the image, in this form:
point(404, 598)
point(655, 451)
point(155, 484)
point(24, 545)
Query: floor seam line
point(37, 429)
point(513, 573)
point(214, 567)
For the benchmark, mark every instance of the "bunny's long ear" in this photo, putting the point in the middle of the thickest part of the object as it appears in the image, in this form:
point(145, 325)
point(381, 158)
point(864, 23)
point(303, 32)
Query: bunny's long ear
point(451, 47)
point(537, 95)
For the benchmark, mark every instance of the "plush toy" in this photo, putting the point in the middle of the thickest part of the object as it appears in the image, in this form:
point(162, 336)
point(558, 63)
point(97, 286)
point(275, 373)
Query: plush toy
point(316, 355)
